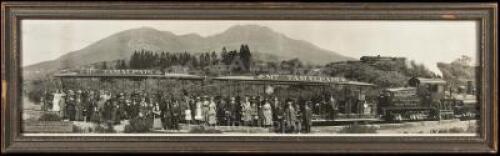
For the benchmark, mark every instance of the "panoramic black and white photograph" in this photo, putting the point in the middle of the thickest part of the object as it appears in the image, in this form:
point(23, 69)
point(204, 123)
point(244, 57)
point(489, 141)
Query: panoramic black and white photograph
point(250, 77)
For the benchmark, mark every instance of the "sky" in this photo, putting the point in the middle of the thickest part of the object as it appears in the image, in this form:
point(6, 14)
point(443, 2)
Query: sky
point(426, 42)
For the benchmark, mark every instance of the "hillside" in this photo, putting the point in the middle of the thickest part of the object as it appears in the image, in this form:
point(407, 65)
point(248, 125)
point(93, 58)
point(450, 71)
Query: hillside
point(263, 41)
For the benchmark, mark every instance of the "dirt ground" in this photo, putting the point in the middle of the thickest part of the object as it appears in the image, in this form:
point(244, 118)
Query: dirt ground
point(430, 126)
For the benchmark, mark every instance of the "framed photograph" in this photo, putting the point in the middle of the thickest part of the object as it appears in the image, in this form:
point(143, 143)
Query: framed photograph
point(249, 77)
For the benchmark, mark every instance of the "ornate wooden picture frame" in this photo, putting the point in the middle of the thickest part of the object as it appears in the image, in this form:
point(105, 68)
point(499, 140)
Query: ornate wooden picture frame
point(14, 141)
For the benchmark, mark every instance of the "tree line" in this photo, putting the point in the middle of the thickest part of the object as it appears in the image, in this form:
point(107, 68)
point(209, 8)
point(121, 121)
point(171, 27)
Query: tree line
point(146, 59)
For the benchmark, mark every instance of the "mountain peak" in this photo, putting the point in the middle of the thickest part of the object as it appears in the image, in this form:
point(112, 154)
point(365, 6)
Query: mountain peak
point(249, 27)
point(146, 28)
point(191, 35)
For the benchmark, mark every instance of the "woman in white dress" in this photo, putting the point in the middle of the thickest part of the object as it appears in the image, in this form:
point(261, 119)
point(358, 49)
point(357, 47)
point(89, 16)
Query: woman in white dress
point(205, 109)
point(198, 114)
point(187, 116)
point(268, 114)
point(187, 110)
point(246, 112)
point(212, 118)
point(56, 100)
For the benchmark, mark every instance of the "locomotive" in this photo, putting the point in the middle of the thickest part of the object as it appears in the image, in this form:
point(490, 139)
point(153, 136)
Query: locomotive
point(425, 99)
point(419, 100)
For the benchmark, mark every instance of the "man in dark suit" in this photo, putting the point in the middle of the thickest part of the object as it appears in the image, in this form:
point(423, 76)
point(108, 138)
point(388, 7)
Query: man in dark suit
point(307, 117)
point(290, 117)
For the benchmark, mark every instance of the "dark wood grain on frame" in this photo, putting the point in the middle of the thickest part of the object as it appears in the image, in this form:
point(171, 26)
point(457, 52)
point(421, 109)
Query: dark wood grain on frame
point(14, 12)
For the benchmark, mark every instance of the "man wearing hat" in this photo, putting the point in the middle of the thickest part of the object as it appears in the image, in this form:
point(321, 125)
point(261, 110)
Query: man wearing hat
point(121, 106)
point(290, 117)
point(233, 110)
point(277, 110)
point(92, 106)
point(307, 117)
point(70, 106)
point(79, 107)
point(260, 111)
point(175, 111)
point(254, 104)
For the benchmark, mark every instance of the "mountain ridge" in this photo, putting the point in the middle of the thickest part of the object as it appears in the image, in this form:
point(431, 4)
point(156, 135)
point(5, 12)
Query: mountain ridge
point(260, 39)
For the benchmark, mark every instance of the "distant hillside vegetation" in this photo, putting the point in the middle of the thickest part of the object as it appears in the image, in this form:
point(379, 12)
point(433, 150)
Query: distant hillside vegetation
point(384, 73)
point(459, 71)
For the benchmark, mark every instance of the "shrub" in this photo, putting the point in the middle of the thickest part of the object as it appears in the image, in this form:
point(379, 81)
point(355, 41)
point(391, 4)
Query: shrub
point(202, 129)
point(138, 125)
point(449, 130)
point(49, 117)
point(101, 129)
point(358, 129)
point(442, 131)
point(77, 129)
point(456, 130)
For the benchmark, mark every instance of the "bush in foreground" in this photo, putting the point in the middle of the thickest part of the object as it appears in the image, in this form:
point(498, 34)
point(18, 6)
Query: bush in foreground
point(202, 129)
point(49, 117)
point(449, 130)
point(77, 129)
point(138, 125)
point(104, 129)
point(358, 129)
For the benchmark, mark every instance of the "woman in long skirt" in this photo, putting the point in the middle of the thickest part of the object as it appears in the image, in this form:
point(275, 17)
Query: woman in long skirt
point(55, 102)
point(247, 112)
point(212, 113)
point(268, 114)
point(62, 106)
point(156, 117)
point(187, 116)
point(199, 112)
point(205, 109)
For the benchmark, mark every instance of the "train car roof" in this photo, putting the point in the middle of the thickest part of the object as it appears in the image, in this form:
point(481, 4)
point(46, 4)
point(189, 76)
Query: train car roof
point(430, 80)
point(255, 78)
point(400, 89)
point(165, 76)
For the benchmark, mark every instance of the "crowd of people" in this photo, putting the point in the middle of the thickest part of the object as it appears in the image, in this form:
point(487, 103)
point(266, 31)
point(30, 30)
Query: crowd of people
point(167, 111)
